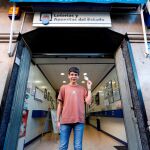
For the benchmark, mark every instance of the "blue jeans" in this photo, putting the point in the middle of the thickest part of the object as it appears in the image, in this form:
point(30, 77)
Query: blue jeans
point(65, 130)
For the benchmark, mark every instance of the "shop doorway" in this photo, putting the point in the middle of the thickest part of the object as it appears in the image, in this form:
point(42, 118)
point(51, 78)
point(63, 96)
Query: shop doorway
point(98, 70)
point(77, 43)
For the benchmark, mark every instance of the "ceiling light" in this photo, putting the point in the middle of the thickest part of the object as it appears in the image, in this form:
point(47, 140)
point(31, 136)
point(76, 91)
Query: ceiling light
point(43, 87)
point(64, 82)
point(82, 81)
point(100, 91)
point(85, 74)
point(37, 81)
point(62, 74)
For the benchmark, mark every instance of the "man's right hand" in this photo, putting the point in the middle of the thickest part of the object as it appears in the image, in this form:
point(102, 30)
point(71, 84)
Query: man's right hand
point(58, 125)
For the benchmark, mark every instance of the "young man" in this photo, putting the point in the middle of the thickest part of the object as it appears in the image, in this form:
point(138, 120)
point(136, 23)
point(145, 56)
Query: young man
point(71, 110)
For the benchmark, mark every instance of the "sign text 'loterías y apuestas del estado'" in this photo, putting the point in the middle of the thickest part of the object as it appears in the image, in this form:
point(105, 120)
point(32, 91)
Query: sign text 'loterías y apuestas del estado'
point(90, 1)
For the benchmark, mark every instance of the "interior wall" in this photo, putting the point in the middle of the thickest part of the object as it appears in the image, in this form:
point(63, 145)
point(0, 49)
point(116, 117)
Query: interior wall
point(112, 76)
point(111, 125)
point(35, 126)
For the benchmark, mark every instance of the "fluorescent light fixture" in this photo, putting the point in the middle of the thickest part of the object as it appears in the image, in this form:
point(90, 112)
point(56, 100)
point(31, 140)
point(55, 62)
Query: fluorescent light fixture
point(113, 82)
point(82, 81)
point(85, 74)
point(64, 82)
point(100, 91)
point(43, 87)
point(37, 81)
point(62, 74)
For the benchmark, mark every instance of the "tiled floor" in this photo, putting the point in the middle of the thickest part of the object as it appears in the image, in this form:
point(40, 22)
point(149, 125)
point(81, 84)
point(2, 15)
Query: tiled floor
point(92, 140)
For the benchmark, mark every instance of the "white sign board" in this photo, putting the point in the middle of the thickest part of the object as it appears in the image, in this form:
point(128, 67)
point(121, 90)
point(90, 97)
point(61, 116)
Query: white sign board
point(72, 19)
point(39, 95)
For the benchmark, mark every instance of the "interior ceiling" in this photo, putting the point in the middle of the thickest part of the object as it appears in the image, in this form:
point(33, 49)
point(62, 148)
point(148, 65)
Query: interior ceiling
point(95, 68)
point(70, 45)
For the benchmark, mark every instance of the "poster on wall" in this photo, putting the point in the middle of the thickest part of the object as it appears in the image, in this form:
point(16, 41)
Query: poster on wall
point(25, 106)
point(22, 132)
point(39, 95)
point(109, 91)
point(106, 102)
point(116, 91)
point(97, 99)
point(52, 103)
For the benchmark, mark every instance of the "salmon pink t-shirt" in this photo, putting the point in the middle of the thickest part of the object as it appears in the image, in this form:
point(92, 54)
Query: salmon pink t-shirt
point(72, 97)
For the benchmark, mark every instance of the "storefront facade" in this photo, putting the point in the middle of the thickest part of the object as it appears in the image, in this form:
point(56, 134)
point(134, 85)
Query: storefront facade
point(123, 32)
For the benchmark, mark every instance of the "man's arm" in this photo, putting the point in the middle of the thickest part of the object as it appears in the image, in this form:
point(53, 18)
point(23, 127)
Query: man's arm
point(88, 99)
point(59, 111)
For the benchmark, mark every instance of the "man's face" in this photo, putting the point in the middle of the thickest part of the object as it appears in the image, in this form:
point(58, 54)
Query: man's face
point(73, 77)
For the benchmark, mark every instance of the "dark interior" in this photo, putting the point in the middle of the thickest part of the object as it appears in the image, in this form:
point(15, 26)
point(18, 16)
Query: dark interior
point(44, 41)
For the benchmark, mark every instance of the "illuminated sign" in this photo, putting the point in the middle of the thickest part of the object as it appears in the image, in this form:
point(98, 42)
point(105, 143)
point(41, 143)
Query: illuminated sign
point(90, 1)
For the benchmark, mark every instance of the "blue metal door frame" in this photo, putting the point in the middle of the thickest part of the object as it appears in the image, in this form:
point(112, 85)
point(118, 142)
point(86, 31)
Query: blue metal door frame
point(13, 99)
point(136, 94)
